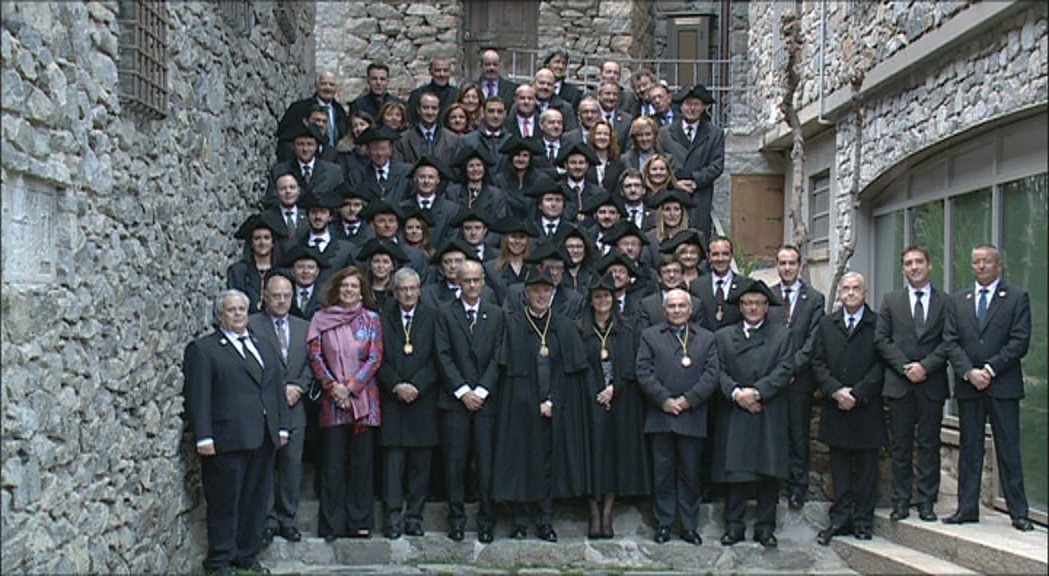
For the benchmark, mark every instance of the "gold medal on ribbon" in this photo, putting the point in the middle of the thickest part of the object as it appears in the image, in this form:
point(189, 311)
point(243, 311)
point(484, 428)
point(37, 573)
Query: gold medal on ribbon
point(686, 361)
point(580, 216)
point(604, 353)
point(544, 351)
point(408, 349)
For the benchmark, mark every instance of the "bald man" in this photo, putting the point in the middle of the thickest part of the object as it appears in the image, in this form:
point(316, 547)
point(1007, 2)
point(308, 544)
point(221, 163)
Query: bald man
point(324, 95)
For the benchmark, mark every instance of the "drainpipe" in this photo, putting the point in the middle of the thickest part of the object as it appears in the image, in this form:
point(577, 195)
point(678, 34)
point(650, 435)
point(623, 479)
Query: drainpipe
point(823, 39)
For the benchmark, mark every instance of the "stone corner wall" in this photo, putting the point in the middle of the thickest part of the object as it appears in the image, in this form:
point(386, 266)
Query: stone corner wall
point(117, 231)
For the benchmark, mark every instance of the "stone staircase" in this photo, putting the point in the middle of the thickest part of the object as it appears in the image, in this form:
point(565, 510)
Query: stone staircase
point(631, 551)
point(911, 546)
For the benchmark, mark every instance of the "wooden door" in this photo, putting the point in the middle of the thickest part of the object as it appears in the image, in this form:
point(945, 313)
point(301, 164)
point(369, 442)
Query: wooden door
point(499, 24)
point(757, 215)
point(690, 40)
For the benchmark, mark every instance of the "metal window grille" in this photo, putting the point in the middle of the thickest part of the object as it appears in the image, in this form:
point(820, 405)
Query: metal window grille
point(143, 52)
point(819, 209)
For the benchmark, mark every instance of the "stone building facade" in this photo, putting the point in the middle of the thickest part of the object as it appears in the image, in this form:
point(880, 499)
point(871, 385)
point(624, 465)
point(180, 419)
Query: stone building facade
point(117, 231)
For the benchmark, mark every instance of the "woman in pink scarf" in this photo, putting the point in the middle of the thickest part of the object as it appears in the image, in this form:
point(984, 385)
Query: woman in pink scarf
point(345, 347)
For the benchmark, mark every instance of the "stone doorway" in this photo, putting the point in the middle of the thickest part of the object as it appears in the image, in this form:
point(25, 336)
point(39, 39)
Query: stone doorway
point(499, 24)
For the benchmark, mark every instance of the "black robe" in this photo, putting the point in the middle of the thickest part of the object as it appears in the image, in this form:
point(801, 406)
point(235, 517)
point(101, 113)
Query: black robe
point(525, 442)
point(619, 456)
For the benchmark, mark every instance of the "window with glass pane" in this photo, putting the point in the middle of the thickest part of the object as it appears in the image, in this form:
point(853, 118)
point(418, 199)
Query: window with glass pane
point(970, 225)
point(888, 238)
point(819, 209)
point(1025, 210)
point(927, 229)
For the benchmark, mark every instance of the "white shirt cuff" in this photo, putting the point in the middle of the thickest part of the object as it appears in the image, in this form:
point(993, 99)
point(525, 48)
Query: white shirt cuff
point(284, 433)
point(989, 370)
point(481, 392)
point(205, 442)
point(460, 391)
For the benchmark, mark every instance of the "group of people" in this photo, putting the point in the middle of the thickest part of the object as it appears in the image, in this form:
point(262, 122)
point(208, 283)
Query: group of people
point(536, 309)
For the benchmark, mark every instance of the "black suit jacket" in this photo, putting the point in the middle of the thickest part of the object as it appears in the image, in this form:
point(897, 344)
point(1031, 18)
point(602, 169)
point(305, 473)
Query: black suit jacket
point(398, 182)
point(505, 89)
point(412, 145)
point(370, 103)
point(899, 344)
point(469, 358)
point(650, 310)
point(413, 424)
point(443, 212)
point(804, 318)
point(296, 366)
point(1001, 343)
point(703, 288)
point(325, 178)
point(228, 404)
point(661, 376)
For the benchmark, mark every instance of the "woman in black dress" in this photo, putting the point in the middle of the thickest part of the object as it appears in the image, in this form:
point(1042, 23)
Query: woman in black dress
point(261, 234)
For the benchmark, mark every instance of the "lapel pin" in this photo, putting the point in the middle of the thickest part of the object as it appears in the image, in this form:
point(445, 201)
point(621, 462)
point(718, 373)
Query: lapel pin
point(223, 341)
point(969, 296)
point(1001, 294)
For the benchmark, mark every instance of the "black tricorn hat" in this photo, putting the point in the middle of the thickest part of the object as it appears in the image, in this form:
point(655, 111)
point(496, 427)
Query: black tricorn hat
point(410, 209)
point(602, 198)
point(602, 282)
point(698, 91)
point(469, 151)
point(568, 230)
point(686, 236)
point(427, 160)
point(380, 206)
point(671, 195)
point(454, 245)
point(509, 224)
point(304, 130)
point(345, 191)
point(576, 148)
point(538, 275)
point(377, 133)
point(515, 144)
point(468, 214)
point(300, 252)
point(616, 257)
point(545, 185)
point(547, 251)
point(320, 200)
point(268, 219)
point(755, 287)
point(381, 246)
point(622, 229)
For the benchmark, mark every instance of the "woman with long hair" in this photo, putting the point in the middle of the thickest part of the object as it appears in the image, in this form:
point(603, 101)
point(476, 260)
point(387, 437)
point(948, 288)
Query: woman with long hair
point(472, 99)
point(416, 231)
point(643, 132)
point(671, 208)
point(260, 233)
point(515, 248)
point(456, 119)
point(605, 143)
point(518, 176)
point(658, 174)
point(394, 115)
point(381, 258)
point(618, 456)
point(345, 348)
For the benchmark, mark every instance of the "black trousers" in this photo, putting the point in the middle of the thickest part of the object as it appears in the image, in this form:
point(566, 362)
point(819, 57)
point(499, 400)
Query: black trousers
point(914, 422)
point(237, 488)
point(675, 465)
point(287, 488)
point(405, 484)
point(767, 492)
point(799, 417)
point(1005, 425)
point(855, 474)
point(461, 432)
point(543, 509)
point(347, 500)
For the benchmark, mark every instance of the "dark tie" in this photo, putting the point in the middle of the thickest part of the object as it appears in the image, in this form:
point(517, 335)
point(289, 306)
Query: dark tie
point(919, 312)
point(748, 331)
point(316, 243)
point(608, 118)
point(380, 175)
point(981, 308)
point(408, 323)
point(289, 219)
point(331, 124)
point(253, 363)
point(282, 338)
point(424, 204)
point(633, 216)
point(551, 153)
point(307, 173)
point(491, 89)
point(786, 304)
point(851, 324)
point(550, 229)
point(471, 317)
point(688, 133)
point(526, 130)
point(304, 297)
point(428, 136)
point(719, 297)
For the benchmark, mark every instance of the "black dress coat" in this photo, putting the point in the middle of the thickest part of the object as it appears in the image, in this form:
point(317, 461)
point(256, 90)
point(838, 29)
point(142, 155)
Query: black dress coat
point(701, 161)
point(524, 439)
point(850, 360)
point(750, 446)
point(619, 455)
point(411, 425)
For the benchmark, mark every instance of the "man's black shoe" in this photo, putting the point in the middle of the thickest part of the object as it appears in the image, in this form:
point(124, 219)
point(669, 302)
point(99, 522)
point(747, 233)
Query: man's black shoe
point(456, 534)
point(692, 537)
point(926, 513)
point(413, 530)
point(1023, 524)
point(900, 511)
point(662, 535)
point(825, 536)
point(267, 536)
point(485, 536)
point(518, 533)
point(797, 500)
point(731, 537)
point(290, 533)
point(766, 539)
point(862, 533)
point(958, 518)
point(546, 532)
point(392, 533)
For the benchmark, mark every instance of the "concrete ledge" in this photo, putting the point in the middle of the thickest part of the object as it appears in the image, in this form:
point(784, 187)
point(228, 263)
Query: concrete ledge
point(879, 556)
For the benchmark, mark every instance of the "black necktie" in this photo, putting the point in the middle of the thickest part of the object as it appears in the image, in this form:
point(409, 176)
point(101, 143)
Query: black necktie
point(253, 363)
point(408, 323)
point(550, 229)
point(851, 324)
point(633, 216)
point(719, 296)
point(981, 308)
point(688, 133)
point(304, 297)
point(471, 317)
point(786, 304)
point(424, 204)
point(919, 312)
point(380, 175)
point(289, 220)
point(307, 173)
point(551, 153)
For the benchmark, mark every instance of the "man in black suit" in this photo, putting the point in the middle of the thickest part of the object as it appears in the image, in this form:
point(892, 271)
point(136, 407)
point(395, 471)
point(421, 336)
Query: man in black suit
point(317, 115)
point(632, 190)
point(469, 337)
point(575, 159)
point(338, 121)
point(320, 209)
point(910, 340)
point(385, 220)
point(551, 201)
point(523, 119)
point(280, 330)
point(719, 289)
point(427, 137)
point(801, 312)
point(550, 259)
point(697, 150)
point(313, 174)
point(383, 177)
point(490, 135)
point(428, 173)
point(557, 63)
point(378, 75)
point(349, 225)
point(473, 228)
point(305, 264)
point(491, 81)
point(239, 418)
point(546, 97)
point(988, 331)
point(588, 112)
point(848, 369)
point(408, 387)
point(608, 97)
point(677, 368)
point(439, 84)
point(288, 194)
point(651, 308)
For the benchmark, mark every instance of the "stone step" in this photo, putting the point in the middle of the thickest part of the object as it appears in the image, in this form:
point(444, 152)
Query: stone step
point(880, 556)
point(991, 546)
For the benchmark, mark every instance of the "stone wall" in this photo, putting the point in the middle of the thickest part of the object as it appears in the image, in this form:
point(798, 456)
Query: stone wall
point(403, 35)
point(139, 215)
point(595, 28)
